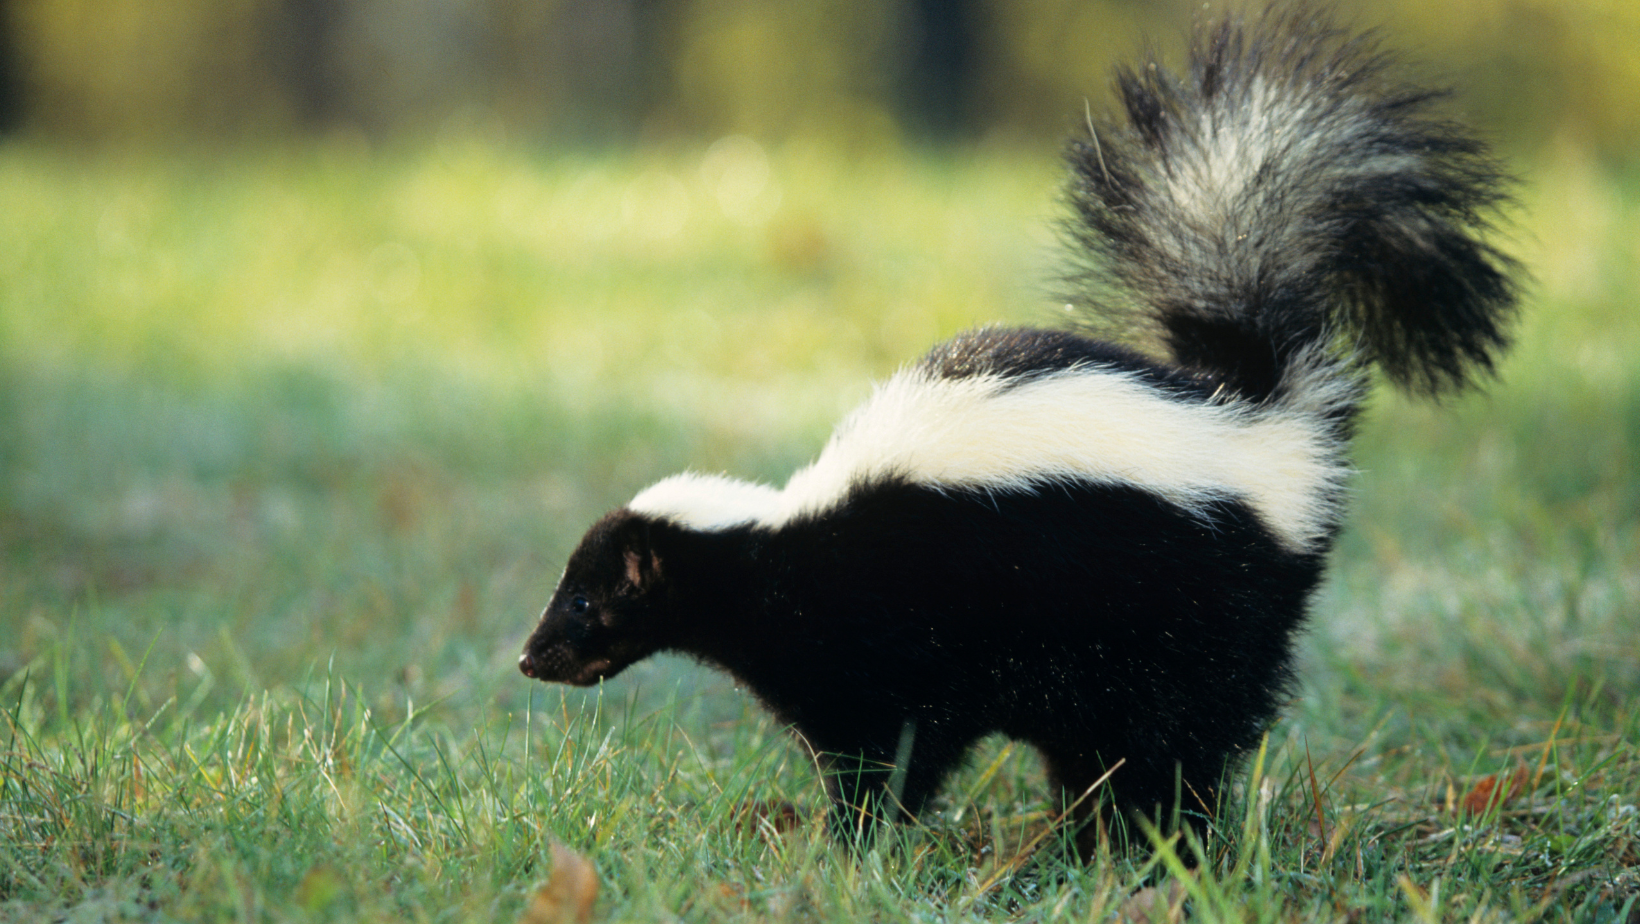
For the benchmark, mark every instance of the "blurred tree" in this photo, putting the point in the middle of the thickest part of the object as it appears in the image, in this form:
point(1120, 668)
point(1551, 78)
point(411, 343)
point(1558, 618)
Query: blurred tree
point(828, 71)
point(409, 65)
point(302, 40)
point(609, 62)
point(938, 75)
point(11, 73)
point(821, 69)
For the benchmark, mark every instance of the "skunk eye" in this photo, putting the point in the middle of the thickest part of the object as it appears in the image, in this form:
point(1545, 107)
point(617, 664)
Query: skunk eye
point(579, 605)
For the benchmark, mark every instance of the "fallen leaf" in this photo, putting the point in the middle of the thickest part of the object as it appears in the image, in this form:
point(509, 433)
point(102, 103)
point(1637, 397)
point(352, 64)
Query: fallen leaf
point(1152, 905)
point(724, 898)
point(567, 895)
point(731, 897)
point(1492, 790)
point(780, 815)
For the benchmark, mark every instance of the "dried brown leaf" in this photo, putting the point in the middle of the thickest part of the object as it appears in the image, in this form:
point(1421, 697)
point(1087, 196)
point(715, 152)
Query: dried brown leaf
point(780, 816)
point(567, 895)
point(1153, 905)
point(1494, 790)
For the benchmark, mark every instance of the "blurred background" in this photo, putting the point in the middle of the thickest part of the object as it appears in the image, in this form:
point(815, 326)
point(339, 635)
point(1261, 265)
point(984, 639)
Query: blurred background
point(326, 326)
point(556, 72)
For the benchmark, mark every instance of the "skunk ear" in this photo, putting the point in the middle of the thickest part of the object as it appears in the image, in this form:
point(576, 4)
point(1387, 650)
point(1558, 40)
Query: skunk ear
point(643, 565)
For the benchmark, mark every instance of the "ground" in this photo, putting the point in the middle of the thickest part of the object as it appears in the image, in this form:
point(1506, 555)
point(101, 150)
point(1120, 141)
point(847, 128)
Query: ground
point(293, 445)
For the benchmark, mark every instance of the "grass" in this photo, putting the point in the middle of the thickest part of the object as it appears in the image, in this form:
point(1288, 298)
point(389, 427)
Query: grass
point(292, 447)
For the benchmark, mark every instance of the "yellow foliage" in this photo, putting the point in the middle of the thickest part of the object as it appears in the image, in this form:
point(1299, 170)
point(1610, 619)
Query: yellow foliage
point(823, 71)
point(137, 69)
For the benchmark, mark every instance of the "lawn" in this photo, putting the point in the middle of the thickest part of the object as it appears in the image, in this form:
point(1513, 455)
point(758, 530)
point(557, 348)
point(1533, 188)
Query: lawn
point(293, 445)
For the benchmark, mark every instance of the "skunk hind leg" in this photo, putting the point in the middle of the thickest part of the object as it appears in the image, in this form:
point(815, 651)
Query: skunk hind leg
point(1102, 803)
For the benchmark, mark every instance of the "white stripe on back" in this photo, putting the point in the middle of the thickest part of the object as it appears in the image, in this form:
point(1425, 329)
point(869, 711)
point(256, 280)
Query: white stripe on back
point(1087, 424)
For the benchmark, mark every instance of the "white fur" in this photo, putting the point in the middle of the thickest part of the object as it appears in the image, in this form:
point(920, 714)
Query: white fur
point(1234, 162)
point(1086, 424)
point(707, 502)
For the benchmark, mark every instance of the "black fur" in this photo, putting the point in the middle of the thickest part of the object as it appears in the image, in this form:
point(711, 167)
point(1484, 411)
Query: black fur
point(1096, 619)
point(1021, 354)
point(1158, 637)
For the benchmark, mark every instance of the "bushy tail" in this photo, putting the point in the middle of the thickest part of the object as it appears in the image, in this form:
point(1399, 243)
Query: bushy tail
point(1289, 198)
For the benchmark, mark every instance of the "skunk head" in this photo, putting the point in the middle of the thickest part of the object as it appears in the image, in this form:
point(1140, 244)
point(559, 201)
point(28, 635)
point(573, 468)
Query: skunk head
point(610, 608)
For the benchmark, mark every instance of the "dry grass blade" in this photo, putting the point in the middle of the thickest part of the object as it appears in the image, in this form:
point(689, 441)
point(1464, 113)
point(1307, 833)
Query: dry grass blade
point(1025, 852)
point(1315, 793)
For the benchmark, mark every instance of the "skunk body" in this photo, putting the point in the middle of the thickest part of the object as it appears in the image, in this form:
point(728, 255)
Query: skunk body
point(1058, 537)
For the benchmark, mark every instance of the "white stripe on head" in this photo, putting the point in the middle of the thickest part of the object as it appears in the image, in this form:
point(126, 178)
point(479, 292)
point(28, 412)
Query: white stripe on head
point(707, 502)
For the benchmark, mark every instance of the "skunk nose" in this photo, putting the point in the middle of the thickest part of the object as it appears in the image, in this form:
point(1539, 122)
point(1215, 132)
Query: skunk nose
point(526, 665)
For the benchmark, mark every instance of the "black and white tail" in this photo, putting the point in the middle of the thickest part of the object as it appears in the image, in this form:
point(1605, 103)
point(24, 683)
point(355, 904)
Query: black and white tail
point(1288, 212)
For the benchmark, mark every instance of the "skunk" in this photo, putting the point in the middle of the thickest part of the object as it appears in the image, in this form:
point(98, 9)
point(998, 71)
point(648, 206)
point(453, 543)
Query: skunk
point(1098, 541)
